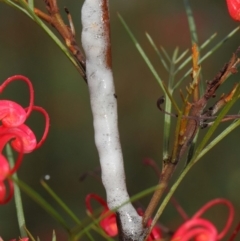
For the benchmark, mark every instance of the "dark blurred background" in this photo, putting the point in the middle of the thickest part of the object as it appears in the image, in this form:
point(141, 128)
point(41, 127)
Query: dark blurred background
point(69, 150)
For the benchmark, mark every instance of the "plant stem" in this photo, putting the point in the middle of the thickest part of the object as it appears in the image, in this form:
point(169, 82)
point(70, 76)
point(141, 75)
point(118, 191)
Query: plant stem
point(17, 196)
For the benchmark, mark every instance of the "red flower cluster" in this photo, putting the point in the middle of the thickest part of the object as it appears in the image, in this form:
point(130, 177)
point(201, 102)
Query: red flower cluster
point(12, 128)
point(195, 228)
point(234, 9)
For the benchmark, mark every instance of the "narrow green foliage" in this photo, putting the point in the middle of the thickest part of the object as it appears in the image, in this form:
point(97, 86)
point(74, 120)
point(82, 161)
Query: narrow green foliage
point(30, 235)
point(189, 58)
point(200, 152)
point(28, 9)
point(63, 205)
point(16, 6)
point(158, 52)
point(181, 56)
point(216, 123)
point(173, 66)
point(166, 54)
point(42, 202)
point(141, 51)
point(60, 202)
point(191, 22)
point(204, 57)
point(208, 41)
point(220, 137)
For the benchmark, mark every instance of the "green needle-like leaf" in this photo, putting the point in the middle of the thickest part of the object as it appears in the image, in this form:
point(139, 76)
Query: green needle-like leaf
point(42, 202)
point(208, 54)
point(60, 202)
point(181, 56)
point(216, 123)
point(166, 54)
point(141, 51)
point(157, 51)
point(28, 10)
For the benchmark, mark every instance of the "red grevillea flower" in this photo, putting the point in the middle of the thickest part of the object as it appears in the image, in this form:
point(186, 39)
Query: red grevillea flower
point(200, 229)
point(13, 129)
point(234, 9)
point(109, 222)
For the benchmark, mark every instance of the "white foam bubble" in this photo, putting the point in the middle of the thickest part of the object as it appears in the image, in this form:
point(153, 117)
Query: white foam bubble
point(104, 109)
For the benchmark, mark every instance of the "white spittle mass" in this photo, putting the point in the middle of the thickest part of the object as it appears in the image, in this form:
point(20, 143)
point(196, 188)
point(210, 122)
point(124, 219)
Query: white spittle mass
point(104, 109)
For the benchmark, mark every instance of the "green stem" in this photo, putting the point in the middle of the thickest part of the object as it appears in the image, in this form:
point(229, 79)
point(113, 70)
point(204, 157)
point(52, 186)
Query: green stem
point(166, 129)
point(168, 108)
point(218, 139)
point(17, 196)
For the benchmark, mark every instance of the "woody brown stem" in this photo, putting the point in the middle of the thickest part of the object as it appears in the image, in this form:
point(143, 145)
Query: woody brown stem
point(163, 183)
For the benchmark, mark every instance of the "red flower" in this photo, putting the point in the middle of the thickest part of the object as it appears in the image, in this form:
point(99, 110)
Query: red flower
point(234, 9)
point(199, 229)
point(23, 140)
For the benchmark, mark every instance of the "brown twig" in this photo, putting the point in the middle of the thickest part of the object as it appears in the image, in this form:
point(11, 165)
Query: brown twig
point(68, 33)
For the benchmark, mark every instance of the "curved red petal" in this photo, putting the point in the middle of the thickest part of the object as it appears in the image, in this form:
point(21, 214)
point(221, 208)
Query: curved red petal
point(11, 113)
point(212, 203)
point(7, 198)
point(4, 167)
point(234, 9)
point(25, 140)
point(97, 198)
point(193, 228)
point(30, 87)
point(156, 233)
point(47, 124)
point(109, 225)
point(2, 191)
